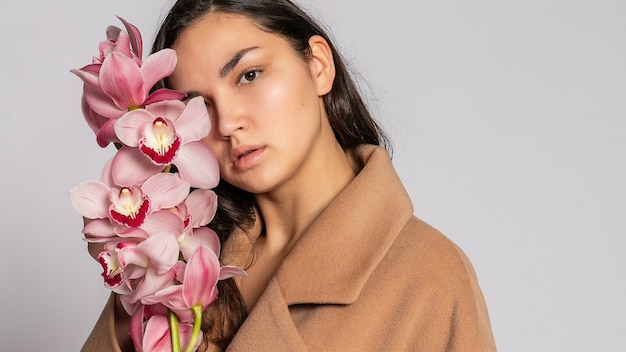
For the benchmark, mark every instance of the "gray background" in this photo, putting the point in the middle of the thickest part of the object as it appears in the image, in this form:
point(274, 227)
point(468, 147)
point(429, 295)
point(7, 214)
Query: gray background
point(508, 122)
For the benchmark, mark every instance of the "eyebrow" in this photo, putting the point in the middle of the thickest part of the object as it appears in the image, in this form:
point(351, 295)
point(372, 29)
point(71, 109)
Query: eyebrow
point(230, 65)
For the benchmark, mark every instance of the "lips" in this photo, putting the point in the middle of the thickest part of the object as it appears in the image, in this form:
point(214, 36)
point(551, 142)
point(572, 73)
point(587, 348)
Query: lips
point(246, 153)
point(244, 157)
point(241, 151)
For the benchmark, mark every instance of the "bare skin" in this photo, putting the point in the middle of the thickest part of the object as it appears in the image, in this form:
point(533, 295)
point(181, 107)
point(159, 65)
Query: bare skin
point(301, 166)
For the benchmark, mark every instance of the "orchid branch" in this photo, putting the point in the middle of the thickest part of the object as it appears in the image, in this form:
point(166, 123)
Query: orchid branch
point(143, 210)
point(174, 334)
point(197, 322)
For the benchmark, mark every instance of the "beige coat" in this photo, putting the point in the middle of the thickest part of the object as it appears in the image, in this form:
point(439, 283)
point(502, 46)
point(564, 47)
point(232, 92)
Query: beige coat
point(366, 276)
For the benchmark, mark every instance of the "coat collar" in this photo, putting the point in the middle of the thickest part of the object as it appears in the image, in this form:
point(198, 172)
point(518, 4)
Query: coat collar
point(333, 259)
point(269, 326)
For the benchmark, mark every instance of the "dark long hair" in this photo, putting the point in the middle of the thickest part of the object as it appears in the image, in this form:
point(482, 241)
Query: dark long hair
point(348, 115)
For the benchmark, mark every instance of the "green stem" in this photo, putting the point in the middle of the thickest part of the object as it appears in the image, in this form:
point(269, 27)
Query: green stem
point(197, 323)
point(174, 334)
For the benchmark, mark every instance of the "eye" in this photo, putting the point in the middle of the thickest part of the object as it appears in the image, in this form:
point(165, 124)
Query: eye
point(249, 76)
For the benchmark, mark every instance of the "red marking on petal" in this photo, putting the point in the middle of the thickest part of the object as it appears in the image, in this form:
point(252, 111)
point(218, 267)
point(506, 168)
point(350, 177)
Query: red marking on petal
point(111, 277)
point(161, 157)
point(131, 220)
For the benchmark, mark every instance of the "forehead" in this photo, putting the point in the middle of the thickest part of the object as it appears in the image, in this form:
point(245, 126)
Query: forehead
point(220, 34)
point(213, 40)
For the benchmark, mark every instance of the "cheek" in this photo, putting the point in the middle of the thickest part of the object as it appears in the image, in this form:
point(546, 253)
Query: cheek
point(217, 146)
point(285, 101)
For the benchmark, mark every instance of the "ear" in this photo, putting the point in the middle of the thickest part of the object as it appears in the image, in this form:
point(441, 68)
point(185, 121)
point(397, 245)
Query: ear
point(322, 64)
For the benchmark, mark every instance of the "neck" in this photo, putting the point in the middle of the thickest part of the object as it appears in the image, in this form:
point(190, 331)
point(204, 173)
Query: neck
point(289, 210)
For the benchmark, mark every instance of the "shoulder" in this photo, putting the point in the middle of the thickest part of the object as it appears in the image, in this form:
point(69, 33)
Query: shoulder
point(433, 283)
point(431, 248)
point(427, 258)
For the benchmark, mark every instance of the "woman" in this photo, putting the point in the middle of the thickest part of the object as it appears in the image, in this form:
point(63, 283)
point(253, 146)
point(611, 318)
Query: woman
point(309, 202)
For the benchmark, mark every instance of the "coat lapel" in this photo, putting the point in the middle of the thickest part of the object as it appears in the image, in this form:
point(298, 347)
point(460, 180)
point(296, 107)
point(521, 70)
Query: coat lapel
point(269, 326)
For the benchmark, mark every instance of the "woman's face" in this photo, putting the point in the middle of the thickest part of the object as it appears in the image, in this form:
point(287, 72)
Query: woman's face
point(263, 99)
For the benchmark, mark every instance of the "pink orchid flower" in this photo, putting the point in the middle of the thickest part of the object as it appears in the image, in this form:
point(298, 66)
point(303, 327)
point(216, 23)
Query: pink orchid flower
point(150, 265)
point(126, 265)
point(128, 43)
point(119, 85)
point(113, 269)
point(199, 285)
point(164, 133)
point(118, 81)
point(130, 211)
point(159, 194)
point(197, 291)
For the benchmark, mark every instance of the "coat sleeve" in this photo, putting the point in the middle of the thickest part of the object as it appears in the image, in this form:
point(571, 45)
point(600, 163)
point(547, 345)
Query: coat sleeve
point(449, 309)
point(469, 323)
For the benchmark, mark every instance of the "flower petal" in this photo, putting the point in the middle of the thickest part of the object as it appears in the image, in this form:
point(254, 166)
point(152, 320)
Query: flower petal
point(105, 175)
point(201, 205)
point(200, 237)
point(169, 296)
point(154, 309)
point(100, 239)
point(122, 44)
point(122, 80)
point(130, 167)
point(136, 329)
point(151, 283)
point(201, 275)
point(162, 249)
point(88, 76)
point(101, 228)
point(197, 165)
point(163, 221)
point(157, 335)
point(90, 199)
point(133, 255)
point(131, 232)
point(93, 119)
point(112, 33)
point(165, 190)
point(164, 94)
point(158, 66)
point(228, 271)
point(194, 123)
point(134, 36)
point(185, 331)
point(106, 134)
point(128, 127)
point(169, 109)
point(101, 103)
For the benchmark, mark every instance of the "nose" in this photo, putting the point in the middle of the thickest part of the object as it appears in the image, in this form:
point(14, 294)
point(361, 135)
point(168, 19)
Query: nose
point(230, 119)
